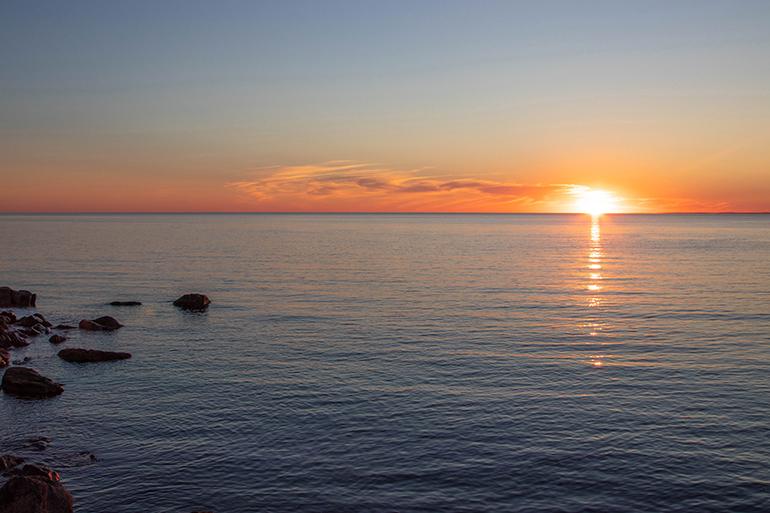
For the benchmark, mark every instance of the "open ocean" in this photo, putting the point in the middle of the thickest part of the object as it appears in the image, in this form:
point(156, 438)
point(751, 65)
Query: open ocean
point(401, 363)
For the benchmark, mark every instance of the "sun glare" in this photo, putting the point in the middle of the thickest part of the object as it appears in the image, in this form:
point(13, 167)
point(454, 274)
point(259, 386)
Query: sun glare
point(595, 202)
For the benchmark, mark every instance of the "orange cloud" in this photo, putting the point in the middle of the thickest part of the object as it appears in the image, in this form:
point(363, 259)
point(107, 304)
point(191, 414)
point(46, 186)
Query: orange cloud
point(352, 186)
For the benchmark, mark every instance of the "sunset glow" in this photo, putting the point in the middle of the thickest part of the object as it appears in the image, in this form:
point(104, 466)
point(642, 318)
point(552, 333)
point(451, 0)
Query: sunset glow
point(370, 107)
point(596, 202)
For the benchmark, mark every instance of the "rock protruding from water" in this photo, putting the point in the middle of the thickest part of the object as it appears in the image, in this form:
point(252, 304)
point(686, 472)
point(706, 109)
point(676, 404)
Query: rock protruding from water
point(57, 339)
point(35, 490)
point(26, 382)
point(90, 355)
point(126, 303)
point(10, 298)
point(193, 302)
point(5, 357)
point(105, 323)
point(9, 461)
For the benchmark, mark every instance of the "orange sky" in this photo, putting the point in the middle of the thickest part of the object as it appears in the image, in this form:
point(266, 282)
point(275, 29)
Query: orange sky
point(349, 107)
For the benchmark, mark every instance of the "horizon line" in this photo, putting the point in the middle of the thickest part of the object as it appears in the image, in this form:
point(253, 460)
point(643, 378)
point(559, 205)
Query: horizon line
point(303, 212)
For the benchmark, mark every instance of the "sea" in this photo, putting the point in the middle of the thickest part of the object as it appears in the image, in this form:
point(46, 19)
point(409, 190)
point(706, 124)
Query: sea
point(400, 362)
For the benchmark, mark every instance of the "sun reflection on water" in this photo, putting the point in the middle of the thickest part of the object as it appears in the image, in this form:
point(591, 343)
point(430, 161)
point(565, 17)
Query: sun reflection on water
point(594, 286)
point(595, 259)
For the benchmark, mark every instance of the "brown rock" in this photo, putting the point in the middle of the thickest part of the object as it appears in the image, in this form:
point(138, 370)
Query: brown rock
point(105, 323)
point(57, 339)
point(34, 494)
point(126, 303)
point(108, 322)
point(26, 382)
point(5, 356)
point(90, 355)
point(64, 327)
point(9, 461)
point(18, 299)
point(193, 302)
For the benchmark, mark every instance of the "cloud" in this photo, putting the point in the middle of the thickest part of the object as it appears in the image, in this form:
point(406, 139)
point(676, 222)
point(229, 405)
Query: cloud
point(348, 185)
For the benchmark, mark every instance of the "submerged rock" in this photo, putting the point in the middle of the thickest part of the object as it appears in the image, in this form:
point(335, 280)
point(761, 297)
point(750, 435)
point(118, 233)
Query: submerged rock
point(193, 302)
point(35, 490)
point(26, 382)
point(126, 303)
point(105, 323)
point(90, 355)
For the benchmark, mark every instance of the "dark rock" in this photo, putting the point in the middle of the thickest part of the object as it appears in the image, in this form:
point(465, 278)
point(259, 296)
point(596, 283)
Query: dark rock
point(6, 297)
point(4, 357)
point(37, 329)
point(26, 360)
point(34, 494)
point(28, 321)
point(36, 471)
point(26, 382)
point(17, 340)
point(10, 339)
point(193, 302)
point(105, 323)
point(9, 461)
point(126, 303)
point(65, 327)
point(108, 322)
point(19, 299)
point(57, 339)
point(9, 316)
point(90, 355)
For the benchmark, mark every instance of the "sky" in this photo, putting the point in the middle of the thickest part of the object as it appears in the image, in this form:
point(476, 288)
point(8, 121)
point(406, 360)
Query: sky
point(388, 106)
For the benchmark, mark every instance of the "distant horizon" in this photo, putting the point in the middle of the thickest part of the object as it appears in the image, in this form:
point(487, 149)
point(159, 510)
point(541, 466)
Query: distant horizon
point(388, 213)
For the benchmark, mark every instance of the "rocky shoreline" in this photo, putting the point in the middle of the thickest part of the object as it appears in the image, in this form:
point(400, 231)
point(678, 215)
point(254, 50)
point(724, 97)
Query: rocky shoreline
point(36, 488)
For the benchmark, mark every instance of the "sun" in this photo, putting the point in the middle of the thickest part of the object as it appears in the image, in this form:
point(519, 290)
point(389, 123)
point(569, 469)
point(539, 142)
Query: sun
point(595, 202)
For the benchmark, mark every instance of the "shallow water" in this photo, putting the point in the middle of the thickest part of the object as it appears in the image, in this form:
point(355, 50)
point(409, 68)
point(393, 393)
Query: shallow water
point(532, 363)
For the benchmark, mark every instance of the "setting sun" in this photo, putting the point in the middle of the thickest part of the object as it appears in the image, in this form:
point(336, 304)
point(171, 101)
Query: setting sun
point(595, 202)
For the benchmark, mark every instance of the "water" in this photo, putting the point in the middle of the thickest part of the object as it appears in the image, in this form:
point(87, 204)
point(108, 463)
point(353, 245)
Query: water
point(410, 363)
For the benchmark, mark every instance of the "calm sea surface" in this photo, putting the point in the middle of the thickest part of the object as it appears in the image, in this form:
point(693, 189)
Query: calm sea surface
point(402, 363)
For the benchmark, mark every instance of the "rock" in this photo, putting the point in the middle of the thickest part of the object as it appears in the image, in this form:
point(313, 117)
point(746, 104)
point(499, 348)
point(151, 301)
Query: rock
point(19, 299)
point(37, 329)
point(28, 321)
point(34, 494)
point(10, 339)
point(26, 382)
point(4, 357)
point(90, 355)
point(36, 471)
point(105, 323)
point(8, 316)
point(109, 322)
point(9, 461)
point(57, 339)
point(17, 340)
point(26, 360)
point(193, 302)
point(64, 327)
point(126, 303)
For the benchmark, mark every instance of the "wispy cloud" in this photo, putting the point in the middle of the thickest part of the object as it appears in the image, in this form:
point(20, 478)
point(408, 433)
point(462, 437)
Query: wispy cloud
point(347, 185)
